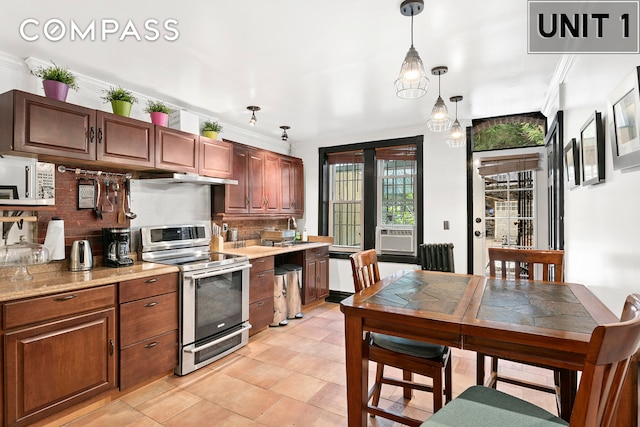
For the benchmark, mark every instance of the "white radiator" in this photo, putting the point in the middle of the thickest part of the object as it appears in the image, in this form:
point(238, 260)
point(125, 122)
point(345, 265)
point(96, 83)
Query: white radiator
point(398, 240)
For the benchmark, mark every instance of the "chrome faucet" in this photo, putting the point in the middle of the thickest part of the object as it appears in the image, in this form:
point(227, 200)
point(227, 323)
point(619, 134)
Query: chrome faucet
point(289, 223)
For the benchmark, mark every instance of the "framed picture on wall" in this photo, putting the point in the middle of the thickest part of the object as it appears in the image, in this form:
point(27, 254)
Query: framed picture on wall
point(623, 106)
point(572, 163)
point(592, 150)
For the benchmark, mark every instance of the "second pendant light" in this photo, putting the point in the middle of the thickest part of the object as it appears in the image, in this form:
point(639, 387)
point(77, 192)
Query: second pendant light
point(439, 121)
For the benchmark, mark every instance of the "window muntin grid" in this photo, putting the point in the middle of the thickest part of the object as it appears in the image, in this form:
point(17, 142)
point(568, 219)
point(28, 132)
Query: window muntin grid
point(346, 206)
point(396, 184)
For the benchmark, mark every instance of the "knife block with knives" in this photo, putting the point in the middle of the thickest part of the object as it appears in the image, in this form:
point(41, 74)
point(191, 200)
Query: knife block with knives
point(217, 242)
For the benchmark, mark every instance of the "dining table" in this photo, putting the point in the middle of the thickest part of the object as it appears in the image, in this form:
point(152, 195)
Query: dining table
point(538, 322)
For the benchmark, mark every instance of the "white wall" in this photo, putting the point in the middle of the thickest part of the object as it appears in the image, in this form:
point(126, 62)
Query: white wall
point(602, 227)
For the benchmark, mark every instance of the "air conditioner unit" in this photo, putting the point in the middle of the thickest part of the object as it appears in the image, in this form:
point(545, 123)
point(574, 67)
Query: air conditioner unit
point(398, 240)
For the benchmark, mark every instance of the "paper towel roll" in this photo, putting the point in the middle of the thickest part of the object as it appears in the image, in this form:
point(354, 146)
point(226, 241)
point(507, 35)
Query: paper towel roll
point(54, 239)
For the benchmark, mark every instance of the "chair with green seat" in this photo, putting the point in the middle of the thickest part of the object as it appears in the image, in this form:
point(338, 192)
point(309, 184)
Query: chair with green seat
point(409, 355)
point(607, 360)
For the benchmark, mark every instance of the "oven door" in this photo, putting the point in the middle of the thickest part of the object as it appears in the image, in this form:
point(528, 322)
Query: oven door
point(215, 314)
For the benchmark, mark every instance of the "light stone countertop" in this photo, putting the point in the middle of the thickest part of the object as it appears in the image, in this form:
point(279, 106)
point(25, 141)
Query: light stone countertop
point(257, 251)
point(51, 279)
point(55, 281)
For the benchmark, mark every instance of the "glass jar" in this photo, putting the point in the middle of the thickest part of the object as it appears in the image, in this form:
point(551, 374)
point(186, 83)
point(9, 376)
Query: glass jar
point(22, 254)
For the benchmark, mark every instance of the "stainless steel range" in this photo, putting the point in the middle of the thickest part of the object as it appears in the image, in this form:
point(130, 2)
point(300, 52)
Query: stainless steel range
point(214, 292)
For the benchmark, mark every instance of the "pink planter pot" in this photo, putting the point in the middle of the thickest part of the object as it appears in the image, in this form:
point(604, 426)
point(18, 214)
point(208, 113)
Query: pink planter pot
point(56, 90)
point(158, 118)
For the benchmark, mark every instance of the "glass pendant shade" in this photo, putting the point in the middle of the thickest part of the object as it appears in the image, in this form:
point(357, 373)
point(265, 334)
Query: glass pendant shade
point(440, 120)
point(457, 136)
point(412, 82)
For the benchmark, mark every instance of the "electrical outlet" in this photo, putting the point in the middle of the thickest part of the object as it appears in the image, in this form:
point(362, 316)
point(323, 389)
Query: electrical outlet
point(446, 225)
point(225, 227)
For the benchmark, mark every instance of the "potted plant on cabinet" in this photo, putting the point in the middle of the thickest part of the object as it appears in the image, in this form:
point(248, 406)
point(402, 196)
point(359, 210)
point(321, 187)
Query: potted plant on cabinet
point(121, 100)
point(159, 112)
point(211, 129)
point(56, 81)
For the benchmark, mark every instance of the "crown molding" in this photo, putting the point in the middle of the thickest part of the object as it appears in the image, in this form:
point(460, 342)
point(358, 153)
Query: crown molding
point(553, 96)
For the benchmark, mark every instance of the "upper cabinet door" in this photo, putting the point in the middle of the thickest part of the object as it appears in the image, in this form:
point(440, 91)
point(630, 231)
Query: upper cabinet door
point(49, 127)
point(176, 150)
point(272, 183)
point(124, 141)
point(216, 158)
point(257, 197)
point(292, 186)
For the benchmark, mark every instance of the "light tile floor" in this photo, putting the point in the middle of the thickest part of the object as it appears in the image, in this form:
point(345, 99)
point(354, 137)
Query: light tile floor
point(286, 376)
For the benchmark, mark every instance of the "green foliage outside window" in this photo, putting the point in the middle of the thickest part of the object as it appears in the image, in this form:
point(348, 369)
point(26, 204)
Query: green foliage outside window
point(508, 135)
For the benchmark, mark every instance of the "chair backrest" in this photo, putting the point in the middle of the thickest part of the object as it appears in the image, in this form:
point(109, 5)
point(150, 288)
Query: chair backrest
point(364, 266)
point(608, 354)
point(436, 257)
point(525, 261)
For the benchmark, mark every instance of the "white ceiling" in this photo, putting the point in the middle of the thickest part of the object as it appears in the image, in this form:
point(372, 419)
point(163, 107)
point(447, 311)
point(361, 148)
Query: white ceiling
point(325, 68)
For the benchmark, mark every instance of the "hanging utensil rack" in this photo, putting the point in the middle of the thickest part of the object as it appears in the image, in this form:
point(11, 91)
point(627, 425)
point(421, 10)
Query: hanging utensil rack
point(78, 171)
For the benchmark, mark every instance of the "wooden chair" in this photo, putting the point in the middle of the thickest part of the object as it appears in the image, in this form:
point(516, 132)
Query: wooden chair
point(409, 355)
point(524, 263)
point(606, 363)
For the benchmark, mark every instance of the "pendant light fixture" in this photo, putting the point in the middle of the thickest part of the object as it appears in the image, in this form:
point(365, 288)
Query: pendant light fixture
point(457, 137)
point(284, 132)
point(440, 120)
point(412, 82)
point(253, 109)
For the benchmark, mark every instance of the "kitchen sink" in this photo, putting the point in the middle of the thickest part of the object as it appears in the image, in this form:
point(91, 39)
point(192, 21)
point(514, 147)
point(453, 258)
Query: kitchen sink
point(278, 235)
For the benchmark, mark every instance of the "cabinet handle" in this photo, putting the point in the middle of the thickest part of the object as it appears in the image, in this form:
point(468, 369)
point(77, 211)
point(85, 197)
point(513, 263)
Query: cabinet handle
point(152, 344)
point(113, 347)
point(248, 201)
point(92, 134)
point(260, 304)
point(151, 304)
point(154, 280)
point(99, 135)
point(68, 297)
point(261, 260)
point(261, 275)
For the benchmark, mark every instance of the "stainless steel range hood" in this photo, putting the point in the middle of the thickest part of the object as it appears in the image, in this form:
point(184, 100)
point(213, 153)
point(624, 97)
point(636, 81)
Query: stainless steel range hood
point(188, 178)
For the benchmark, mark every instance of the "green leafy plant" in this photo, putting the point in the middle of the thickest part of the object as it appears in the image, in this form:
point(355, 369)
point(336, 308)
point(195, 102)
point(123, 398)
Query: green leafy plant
point(56, 73)
point(210, 125)
point(157, 107)
point(119, 94)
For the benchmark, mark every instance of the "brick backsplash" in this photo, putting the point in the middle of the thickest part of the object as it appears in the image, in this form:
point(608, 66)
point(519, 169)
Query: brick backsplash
point(79, 224)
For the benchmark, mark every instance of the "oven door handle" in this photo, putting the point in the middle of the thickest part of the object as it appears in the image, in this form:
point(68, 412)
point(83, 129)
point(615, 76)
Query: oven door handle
point(216, 272)
point(245, 327)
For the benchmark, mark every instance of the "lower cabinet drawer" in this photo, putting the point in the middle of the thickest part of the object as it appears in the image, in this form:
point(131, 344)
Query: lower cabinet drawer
point(147, 359)
point(148, 317)
point(260, 314)
point(261, 286)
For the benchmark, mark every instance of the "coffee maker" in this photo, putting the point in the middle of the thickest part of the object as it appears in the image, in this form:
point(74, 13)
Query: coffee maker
point(115, 246)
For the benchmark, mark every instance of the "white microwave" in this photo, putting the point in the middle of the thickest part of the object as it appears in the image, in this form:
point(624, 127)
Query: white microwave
point(26, 181)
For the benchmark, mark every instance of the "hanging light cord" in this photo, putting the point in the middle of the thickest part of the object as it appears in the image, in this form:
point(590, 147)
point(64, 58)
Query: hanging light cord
point(411, 27)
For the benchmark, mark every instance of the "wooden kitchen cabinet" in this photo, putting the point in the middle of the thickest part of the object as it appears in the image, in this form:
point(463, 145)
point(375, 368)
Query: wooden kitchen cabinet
point(176, 150)
point(268, 184)
point(248, 197)
point(216, 158)
point(148, 328)
point(261, 294)
point(272, 186)
point(59, 130)
point(316, 275)
point(58, 351)
point(291, 186)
